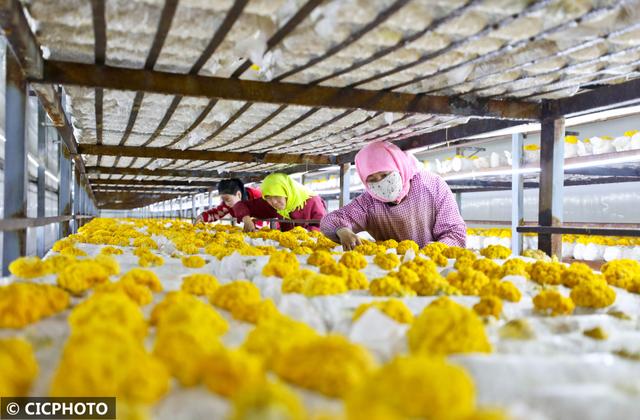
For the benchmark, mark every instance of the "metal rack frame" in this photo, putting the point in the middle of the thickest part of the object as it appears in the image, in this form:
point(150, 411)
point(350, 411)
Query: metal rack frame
point(488, 114)
point(75, 201)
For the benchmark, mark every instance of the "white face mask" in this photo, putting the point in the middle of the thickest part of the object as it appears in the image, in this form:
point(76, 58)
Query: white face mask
point(389, 188)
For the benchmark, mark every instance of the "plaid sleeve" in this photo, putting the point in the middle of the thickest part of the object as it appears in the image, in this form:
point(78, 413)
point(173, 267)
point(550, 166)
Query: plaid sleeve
point(216, 213)
point(352, 216)
point(449, 227)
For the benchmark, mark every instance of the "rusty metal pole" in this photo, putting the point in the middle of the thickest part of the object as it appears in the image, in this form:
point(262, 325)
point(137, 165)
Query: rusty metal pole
point(76, 198)
point(345, 184)
point(64, 189)
point(80, 202)
point(551, 183)
point(42, 156)
point(517, 192)
point(14, 243)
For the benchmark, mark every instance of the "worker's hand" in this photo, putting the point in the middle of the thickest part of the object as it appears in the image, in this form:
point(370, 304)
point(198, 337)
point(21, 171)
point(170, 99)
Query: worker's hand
point(198, 219)
point(348, 239)
point(249, 226)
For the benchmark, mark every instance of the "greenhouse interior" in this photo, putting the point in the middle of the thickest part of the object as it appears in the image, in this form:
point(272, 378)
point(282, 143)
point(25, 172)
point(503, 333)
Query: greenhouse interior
point(320, 209)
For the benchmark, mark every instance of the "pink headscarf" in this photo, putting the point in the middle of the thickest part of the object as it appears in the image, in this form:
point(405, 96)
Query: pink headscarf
point(384, 156)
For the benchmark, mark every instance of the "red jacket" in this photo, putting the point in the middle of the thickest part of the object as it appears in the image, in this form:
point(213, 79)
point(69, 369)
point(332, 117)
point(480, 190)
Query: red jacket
point(314, 208)
point(257, 208)
point(217, 213)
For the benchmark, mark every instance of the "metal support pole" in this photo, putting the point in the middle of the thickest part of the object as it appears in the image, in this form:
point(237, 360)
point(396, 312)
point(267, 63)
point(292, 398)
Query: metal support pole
point(14, 243)
point(551, 183)
point(76, 199)
point(80, 203)
point(458, 196)
point(210, 199)
point(345, 184)
point(42, 155)
point(83, 207)
point(64, 189)
point(193, 207)
point(517, 193)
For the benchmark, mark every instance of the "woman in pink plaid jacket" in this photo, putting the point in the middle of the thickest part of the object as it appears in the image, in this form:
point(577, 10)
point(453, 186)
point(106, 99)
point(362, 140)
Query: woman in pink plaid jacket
point(400, 202)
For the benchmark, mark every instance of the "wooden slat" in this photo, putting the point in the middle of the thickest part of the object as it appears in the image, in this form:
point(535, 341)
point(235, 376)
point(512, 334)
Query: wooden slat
point(133, 116)
point(472, 128)
point(226, 25)
point(20, 38)
point(533, 9)
point(177, 173)
point(284, 128)
point(274, 40)
point(279, 93)
point(558, 73)
point(157, 152)
point(595, 13)
point(149, 190)
point(254, 128)
point(129, 200)
point(99, 30)
point(314, 129)
point(403, 42)
point(232, 16)
point(99, 48)
point(286, 29)
point(224, 126)
point(165, 119)
point(521, 65)
point(147, 182)
point(27, 51)
point(302, 13)
point(619, 95)
point(164, 25)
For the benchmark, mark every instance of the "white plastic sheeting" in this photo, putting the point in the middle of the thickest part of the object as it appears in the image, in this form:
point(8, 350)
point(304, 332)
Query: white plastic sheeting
point(604, 203)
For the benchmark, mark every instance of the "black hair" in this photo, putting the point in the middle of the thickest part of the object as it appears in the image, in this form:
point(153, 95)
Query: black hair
point(232, 186)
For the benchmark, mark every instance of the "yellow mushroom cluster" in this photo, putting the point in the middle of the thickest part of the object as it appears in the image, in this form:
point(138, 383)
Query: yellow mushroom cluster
point(137, 337)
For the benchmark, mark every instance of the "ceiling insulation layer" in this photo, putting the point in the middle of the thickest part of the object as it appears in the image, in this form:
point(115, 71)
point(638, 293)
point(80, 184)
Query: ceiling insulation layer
point(499, 49)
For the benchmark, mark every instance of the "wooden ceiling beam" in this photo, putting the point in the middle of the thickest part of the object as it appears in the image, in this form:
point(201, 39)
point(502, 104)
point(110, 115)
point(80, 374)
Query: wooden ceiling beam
point(208, 155)
point(282, 93)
